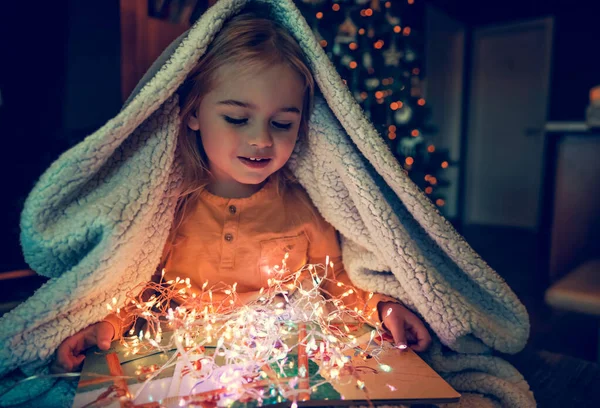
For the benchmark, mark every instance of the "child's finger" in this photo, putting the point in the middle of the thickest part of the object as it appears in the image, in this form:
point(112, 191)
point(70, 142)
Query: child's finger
point(64, 357)
point(396, 327)
point(411, 337)
point(104, 334)
point(423, 339)
point(79, 359)
point(420, 346)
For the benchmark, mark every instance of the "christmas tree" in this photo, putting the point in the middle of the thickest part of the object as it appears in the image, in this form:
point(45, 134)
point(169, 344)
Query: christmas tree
point(377, 48)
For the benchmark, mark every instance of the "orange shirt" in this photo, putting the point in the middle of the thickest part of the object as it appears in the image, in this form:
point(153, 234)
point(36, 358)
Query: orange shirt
point(238, 240)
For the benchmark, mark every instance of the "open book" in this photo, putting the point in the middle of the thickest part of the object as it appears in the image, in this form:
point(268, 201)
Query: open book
point(168, 379)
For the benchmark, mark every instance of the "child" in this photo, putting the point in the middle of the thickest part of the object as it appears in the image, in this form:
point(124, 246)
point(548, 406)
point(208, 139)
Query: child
point(178, 166)
point(243, 109)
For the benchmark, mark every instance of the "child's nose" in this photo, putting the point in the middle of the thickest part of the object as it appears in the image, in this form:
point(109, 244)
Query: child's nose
point(261, 138)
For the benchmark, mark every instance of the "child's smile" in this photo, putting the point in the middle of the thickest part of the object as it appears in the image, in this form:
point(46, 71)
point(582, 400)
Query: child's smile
point(256, 162)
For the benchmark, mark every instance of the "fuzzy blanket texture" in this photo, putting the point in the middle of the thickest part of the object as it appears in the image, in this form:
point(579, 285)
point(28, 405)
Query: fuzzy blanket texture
point(98, 218)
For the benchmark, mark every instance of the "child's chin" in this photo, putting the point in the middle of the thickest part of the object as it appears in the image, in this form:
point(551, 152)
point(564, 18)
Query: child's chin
point(253, 180)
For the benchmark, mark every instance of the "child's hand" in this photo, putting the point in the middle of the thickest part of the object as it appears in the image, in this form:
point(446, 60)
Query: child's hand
point(69, 354)
point(406, 328)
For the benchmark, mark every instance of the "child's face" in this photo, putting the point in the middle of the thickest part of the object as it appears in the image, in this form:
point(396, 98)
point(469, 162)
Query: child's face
point(245, 117)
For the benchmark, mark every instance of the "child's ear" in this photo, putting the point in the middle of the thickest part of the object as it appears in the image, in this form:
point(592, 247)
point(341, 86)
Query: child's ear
point(193, 122)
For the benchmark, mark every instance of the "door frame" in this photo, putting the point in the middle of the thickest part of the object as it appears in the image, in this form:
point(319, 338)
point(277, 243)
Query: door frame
point(475, 33)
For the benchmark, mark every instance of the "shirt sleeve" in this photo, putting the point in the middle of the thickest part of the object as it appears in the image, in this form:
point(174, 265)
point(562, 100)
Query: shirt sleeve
point(117, 323)
point(124, 319)
point(323, 242)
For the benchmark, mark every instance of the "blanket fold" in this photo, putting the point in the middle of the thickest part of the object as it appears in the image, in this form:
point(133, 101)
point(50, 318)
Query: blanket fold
point(97, 220)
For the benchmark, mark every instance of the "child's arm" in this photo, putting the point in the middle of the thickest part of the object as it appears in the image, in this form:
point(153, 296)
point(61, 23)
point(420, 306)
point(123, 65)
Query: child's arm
point(406, 328)
point(123, 320)
point(337, 285)
point(119, 322)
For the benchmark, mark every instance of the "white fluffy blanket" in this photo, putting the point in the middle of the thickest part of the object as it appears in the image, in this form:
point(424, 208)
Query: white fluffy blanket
point(97, 220)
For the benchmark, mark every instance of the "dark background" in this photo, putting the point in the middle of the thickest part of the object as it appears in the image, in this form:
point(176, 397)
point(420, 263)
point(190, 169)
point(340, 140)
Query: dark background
point(60, 81)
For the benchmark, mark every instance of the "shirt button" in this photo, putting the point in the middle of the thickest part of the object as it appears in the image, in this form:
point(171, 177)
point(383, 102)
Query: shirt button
point(232, 209)
point(228, 237)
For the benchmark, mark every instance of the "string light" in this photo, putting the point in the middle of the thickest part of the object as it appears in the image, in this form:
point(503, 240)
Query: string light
point(396, 105)
point(335, 7)
point(409, 160)
point(319, 15)
point(444, 165)
point(253, 337)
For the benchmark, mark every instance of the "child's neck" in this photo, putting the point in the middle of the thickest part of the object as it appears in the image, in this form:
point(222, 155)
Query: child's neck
point(234, 189)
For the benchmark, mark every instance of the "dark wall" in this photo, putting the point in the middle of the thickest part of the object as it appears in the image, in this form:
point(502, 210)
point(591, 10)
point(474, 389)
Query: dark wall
point(59, 80)
point(576, 61)
point(92, 92)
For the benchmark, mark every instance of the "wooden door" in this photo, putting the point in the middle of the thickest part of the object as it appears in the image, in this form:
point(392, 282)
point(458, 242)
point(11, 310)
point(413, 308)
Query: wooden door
point(507, 114)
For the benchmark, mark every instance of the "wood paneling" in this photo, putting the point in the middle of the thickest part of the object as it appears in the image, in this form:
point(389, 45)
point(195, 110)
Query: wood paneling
point(143, 39)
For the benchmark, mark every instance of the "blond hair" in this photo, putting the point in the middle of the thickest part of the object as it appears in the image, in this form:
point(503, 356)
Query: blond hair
point(251, 40)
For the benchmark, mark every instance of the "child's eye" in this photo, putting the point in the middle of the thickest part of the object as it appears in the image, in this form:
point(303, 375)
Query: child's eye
point(234, 121)
point(284, 126)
